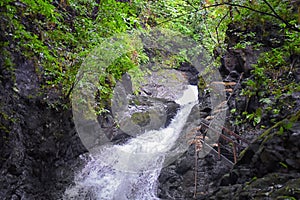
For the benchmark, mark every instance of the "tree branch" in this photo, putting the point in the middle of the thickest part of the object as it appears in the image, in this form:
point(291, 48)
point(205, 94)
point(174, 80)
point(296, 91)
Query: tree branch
point(217, 27)
point(280, 18)
point(273, 14)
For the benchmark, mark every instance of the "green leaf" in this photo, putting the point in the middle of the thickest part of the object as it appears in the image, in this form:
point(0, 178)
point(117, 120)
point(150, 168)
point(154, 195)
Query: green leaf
point(281, 130)
point(288, 126)
point(283, 165)
point(265, 100)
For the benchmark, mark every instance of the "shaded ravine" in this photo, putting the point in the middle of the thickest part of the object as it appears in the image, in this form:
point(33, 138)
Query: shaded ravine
point(131, 170)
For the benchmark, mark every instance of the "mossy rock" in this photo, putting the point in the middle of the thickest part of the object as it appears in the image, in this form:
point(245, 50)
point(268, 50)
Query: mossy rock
point(141, 118)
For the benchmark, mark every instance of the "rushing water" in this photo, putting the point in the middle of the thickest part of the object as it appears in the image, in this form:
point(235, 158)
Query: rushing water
point(130, 171)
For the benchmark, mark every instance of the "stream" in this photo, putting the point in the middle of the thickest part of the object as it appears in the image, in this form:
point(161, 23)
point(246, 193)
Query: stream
point(130, 171)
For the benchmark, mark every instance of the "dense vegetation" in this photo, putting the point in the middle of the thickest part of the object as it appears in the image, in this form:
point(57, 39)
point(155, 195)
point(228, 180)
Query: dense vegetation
point(57, 35)
point(43, 44)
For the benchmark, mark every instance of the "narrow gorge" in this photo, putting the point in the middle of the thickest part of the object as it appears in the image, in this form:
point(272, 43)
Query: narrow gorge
point(135, 99)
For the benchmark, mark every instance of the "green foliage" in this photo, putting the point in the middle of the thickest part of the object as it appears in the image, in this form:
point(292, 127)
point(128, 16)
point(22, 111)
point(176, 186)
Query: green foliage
point(251, 181)
point(57, 36)
point(254, 117)
point(207, 26)
point(271, 81)
point(285, 127)
point(7, 119)
point(286, 198)
point(283, 165)
point(58, 40)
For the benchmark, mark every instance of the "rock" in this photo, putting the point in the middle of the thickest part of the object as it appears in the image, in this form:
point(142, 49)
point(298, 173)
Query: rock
point(183, 166)
point(40, 152)
point(190, 71)
point(270, 187)
point(27, 81)
point(126, 81)
point(171, 110)
point(166, 84)
point(181, 176)
point(265, 168)
point(142, 113)
point(237, 61)
point(269, 167)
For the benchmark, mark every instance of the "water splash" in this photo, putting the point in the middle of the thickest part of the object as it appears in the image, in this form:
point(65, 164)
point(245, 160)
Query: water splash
point(130, 171)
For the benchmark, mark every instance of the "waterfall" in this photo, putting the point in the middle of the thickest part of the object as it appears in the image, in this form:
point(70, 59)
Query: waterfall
point(130, 171)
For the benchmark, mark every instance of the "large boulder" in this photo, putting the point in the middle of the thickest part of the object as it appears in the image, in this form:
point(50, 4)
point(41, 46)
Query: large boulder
point(141, 113)
point(153, 108)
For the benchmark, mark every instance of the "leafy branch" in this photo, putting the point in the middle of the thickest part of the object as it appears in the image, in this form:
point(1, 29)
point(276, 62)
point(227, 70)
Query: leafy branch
point(273, 14)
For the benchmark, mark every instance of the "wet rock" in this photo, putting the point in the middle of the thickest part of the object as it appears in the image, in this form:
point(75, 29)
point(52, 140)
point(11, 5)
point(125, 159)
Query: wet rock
point(265, 168)
point(27, 82)
point(166, 84)
point(268, 33)
point(181, 176)
point(127, 83)
point(142, 113)
point(271, 186)
point(183, 165)
point(40, 152)
point(171, 111)
point(239, 60)
point(190, 71)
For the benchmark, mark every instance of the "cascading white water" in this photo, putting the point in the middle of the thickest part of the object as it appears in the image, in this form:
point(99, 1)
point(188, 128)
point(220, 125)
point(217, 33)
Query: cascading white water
point(130, 171)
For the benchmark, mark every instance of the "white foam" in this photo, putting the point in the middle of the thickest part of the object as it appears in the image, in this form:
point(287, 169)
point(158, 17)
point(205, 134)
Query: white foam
point(189, 95)
point(130, 171)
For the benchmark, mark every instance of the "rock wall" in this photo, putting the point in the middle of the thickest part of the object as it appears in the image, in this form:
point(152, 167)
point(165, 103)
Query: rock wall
point(39, 145)
point(268, 169)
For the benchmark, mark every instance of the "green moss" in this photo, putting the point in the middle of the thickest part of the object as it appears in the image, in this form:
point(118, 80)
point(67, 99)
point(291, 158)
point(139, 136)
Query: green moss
point(4, 128)
point(6, 118)
point(141, 118)
point(291, 119)
point(275, 129)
